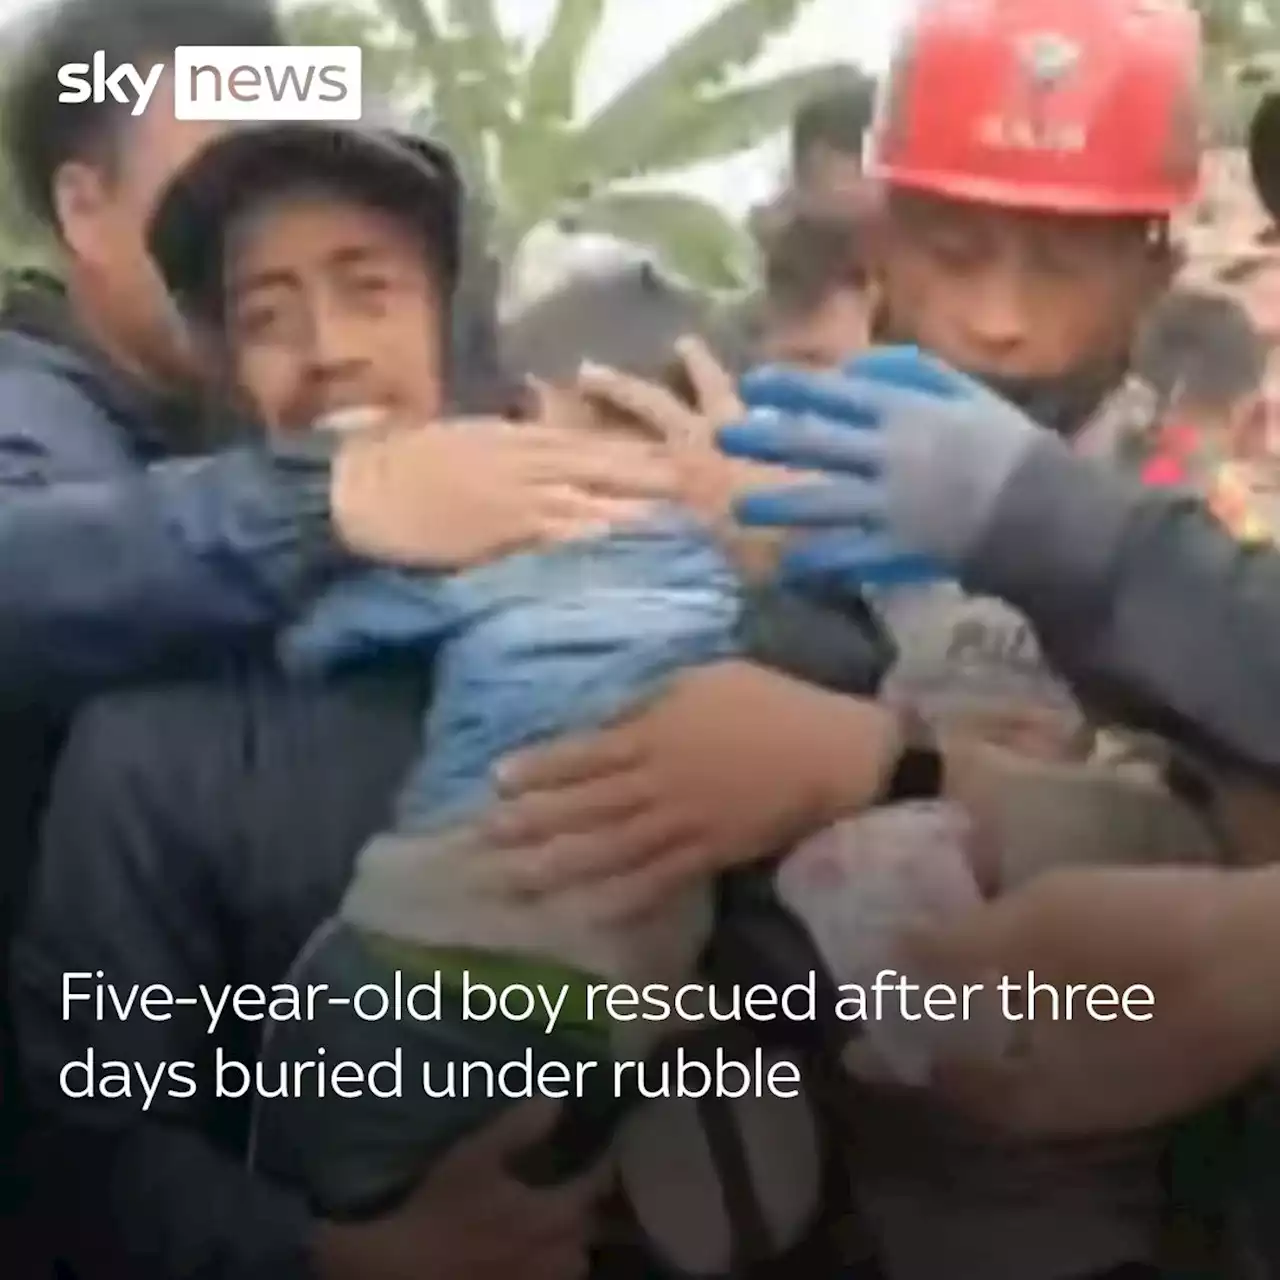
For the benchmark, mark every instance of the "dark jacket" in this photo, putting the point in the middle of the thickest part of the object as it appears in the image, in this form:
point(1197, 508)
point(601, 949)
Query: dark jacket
point(117, 557)
point(198, 835)
point(116, 554)
point(1153, 611)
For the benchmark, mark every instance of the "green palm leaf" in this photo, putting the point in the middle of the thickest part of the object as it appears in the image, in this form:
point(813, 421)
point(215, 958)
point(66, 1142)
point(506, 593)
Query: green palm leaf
point(690, 236)
point(1238, 36)
point(477, 17)
point(551, 80)
point(389, 64)
point(448, 74)
point(414, 17)
point(733, 38)
point(486, 58)
point(511, 118)
point(728, 123)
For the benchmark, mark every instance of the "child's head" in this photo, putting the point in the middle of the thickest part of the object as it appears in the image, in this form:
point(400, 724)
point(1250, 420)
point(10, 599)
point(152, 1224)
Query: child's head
point(1206, 361)
point(321, 261)
point(628, 319)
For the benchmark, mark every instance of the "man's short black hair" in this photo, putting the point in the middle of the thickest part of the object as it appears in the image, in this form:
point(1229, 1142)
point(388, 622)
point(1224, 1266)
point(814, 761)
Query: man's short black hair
point(41, 134)
point(807, 256)
point(837, 119)
point(1200, 348)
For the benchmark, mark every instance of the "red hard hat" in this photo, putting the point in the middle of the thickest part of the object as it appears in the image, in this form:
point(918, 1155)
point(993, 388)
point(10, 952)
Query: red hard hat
point(1069, 106)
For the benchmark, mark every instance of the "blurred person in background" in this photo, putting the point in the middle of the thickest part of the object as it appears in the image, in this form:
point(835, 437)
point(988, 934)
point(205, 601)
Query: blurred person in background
point(818, 296)
point(827, 138)
point(1206, 363)
point(814, 303)
point(1260, 287)
point(1262, 292)
point(825, 162)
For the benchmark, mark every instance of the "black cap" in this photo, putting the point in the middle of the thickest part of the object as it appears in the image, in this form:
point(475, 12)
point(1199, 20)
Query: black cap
point(398, 172)
point(1264, 154)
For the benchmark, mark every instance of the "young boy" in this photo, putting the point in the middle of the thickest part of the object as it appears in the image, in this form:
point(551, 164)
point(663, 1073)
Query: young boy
point(321, 260)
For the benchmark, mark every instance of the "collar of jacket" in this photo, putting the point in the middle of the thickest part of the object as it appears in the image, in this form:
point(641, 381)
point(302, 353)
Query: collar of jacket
point(161, 424)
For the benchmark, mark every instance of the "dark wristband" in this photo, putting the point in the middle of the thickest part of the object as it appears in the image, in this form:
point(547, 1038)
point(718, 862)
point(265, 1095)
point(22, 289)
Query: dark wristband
point(919, 773)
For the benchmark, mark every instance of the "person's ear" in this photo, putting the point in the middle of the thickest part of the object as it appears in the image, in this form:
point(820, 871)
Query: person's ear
point(79, 198)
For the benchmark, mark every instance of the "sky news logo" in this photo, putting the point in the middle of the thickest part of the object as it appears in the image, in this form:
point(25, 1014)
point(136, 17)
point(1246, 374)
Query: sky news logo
point(230, 82)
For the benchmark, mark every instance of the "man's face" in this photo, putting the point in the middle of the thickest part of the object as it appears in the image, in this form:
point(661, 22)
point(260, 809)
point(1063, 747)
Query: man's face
point(1012, 295)
point(104, 210)
point(331, 306)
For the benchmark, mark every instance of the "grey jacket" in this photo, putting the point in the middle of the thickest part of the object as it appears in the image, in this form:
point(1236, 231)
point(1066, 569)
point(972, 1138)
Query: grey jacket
point(1144, 603)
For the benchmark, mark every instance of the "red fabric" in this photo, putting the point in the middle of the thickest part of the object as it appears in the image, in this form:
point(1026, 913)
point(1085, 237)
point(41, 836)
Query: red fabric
point(1169, 465)
point(1164, 473)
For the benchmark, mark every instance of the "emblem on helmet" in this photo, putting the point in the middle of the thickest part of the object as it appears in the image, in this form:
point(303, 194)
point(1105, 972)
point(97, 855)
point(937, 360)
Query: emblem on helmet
point(1034, 119)
point(1049, 58)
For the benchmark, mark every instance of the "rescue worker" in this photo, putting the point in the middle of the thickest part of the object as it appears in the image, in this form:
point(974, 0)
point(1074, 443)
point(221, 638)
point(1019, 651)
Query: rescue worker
point(1017, 243)
point(1103, 568)
point(1144, 601)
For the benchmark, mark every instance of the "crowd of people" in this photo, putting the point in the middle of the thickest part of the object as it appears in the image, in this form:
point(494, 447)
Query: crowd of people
point(920, 614)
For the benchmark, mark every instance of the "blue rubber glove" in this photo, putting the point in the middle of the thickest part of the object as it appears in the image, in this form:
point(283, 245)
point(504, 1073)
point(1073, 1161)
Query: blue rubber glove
point(916, 453)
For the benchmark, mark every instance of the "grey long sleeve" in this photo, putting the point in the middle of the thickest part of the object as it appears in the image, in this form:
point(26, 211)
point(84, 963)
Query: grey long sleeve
point(1152, 610)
